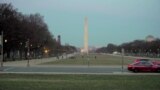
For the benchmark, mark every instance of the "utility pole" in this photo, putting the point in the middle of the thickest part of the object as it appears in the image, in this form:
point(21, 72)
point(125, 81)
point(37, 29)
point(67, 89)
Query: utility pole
point(122, 59)
point(1, 49)
point(28, 54)
point(88, 59)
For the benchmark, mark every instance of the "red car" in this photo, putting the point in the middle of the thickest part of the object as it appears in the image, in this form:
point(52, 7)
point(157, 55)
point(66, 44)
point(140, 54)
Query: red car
point(142, 60)
point(144, 66)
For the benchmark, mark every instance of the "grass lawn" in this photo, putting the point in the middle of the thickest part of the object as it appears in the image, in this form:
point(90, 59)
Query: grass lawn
point(100, 60)
point(78, 82)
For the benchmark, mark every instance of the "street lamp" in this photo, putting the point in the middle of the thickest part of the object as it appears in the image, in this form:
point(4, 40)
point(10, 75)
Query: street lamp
point(46, 51)
point(158, 52)
point(1, 42)
point(122, 58)
point(150, 52)
point(139, 52)
point(28, 51)
point(5, 40)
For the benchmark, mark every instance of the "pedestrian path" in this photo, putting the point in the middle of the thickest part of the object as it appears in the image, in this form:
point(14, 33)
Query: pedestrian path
point(34, 62)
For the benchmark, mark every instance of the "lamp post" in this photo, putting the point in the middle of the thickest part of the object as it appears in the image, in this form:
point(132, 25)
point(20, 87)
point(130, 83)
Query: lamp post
point(150, 52)
point(122, 59)
point(1, 49)
point(28, 54)
point(5, 40)
point(88, 59)
point(158, 52)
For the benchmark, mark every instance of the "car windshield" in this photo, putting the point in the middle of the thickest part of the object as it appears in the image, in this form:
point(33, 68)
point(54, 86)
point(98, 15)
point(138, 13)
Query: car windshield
point(144, 63)
point(144, 60)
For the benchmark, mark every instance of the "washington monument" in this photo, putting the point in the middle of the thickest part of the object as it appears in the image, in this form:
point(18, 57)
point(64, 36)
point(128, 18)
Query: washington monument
point(86, 35)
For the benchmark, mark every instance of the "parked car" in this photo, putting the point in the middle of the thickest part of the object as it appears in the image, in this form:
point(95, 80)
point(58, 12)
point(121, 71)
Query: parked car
point(144, 66)
point(142, 60)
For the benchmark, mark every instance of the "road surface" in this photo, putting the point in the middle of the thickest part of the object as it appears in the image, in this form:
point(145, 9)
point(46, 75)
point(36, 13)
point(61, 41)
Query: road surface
point(64, 69)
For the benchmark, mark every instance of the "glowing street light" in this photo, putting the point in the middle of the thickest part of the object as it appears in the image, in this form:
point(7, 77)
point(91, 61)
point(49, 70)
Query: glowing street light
point(46, 51)
point(5, 40)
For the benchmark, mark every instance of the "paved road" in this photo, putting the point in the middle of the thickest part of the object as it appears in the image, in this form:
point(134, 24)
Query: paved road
point(72, 70)
point(65, 69)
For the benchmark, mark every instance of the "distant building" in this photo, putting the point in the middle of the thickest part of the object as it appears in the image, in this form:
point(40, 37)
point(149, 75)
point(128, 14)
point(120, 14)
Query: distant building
point(150, 38)
point(82, 50)
point(116, 53)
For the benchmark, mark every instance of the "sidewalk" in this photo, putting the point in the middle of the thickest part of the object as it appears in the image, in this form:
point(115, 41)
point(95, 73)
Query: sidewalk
point(33, 62)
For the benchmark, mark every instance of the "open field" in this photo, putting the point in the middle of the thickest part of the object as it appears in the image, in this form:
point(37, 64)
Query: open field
point(91, 60)
point(78, 82)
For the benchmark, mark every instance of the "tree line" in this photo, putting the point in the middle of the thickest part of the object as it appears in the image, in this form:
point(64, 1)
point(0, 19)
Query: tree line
point(137, 47)
point(22, 32)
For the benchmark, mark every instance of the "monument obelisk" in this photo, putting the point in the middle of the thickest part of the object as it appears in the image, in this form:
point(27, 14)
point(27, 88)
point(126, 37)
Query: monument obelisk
point(86, 35)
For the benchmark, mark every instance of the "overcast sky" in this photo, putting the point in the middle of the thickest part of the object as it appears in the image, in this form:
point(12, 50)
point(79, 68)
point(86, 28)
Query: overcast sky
point(110, 21)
